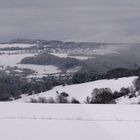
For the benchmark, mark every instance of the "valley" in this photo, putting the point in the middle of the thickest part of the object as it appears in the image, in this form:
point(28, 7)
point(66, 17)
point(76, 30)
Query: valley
point(43, 68)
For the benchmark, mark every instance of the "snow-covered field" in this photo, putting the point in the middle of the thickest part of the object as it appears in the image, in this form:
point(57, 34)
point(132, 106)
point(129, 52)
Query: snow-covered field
point(13, 60)
point(40, 69)
point(65, 55)
point(104, 51)
point(20, 121)
point(81, 91)
point(2, 46)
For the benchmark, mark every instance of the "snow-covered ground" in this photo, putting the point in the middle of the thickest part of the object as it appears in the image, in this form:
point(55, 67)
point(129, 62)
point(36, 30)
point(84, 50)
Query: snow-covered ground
point(10, 52)
point(104, 51)
point(40, 69)
point(81, 91)
point(2, 46)
point(61, 55)
point(20, 121)
point(14, 59)
point(65, 55)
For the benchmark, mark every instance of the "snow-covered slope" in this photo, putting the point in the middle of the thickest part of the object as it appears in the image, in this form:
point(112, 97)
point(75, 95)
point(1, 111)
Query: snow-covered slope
point(81, 91)
point(21, 121)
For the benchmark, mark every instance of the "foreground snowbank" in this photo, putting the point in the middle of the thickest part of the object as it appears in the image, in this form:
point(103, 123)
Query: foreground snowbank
point(13, 110)
point(20, 121)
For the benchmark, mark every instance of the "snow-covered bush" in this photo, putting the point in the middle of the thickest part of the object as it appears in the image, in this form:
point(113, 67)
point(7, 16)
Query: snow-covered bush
point(88, 100)
point(33, 100)
point(51, 100)
point(74, 101)
point(42, 100)
point(101, 96)
point(64, 94)
point(61, 99)
point(137, 84)
point(124, 91)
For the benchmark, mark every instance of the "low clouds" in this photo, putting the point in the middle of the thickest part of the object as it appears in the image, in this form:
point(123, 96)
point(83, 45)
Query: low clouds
point(78, 20)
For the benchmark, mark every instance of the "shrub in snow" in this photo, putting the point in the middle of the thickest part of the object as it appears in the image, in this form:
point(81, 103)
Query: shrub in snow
point(132, 95)
point(50, 100)
point(33, 100)
point(132, 90)
point(61, 99)
point(123, 91)
point(88, 100)
point(42, 100)
point(74, 101)
point(116, 94)
point(101, 96)
point(137, 84)
point(11, 99)
point(4, 92)
point(64, 94)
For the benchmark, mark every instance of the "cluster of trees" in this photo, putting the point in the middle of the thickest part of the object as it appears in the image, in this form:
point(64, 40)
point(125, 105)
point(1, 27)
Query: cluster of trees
point(61, 98)
point(106, 96)
point(122, 72)
point(87, 76)
point(10, 86)
point(49, 59)
point(14, 86)
point(137, 84)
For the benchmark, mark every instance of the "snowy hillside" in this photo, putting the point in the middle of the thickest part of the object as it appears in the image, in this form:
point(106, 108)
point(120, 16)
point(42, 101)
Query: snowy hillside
point(72, 122)
point(81, 91)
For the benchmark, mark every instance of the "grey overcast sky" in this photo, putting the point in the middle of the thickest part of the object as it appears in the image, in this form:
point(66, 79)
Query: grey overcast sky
point(71, 20)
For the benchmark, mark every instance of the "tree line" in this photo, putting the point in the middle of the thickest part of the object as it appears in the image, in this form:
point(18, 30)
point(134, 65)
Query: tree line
point(14, 86)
